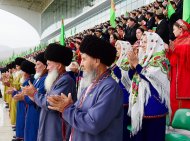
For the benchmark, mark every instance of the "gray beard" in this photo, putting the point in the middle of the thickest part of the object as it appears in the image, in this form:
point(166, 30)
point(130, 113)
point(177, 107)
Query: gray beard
point(22, 80)
point(50, 79)
point(17, 73)
point(86, 80)
point(37, 75)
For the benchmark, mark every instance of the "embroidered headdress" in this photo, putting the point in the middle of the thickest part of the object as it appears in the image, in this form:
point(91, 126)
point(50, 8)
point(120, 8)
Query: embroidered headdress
point(155, 69)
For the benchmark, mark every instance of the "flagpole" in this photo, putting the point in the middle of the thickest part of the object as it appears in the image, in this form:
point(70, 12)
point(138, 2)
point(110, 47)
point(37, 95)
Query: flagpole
point(62, 35)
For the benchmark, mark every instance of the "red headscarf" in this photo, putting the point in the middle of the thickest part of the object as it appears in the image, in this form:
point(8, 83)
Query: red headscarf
point(184, 25)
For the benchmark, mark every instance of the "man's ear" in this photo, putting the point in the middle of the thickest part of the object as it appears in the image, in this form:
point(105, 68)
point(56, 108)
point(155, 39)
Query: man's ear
point(97, 62)
point(59, 66)
point(45, 67)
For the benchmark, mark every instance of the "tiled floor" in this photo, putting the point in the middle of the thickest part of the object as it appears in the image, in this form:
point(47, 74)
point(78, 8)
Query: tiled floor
point(6, 132)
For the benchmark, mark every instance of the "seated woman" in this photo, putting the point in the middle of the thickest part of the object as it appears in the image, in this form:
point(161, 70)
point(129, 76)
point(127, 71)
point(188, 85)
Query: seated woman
point(113, 38)
point(149, 94)
point(139, 33)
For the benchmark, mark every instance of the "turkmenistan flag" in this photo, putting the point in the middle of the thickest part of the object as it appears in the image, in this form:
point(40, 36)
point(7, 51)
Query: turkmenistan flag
point(112, 14)
point(62, 36)
point(170, 9)
point(186, 10)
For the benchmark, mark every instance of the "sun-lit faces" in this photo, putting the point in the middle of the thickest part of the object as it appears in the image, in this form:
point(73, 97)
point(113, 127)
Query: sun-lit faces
point(40, 67)
point(139, 34)
point(177, 31)
point(17, 67)
point(144, 43)
point(51, 65)
point(118, 48)
point(88, 63)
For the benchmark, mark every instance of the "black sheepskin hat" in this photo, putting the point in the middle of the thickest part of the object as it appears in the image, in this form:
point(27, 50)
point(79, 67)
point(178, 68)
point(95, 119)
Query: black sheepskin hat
point(28, 67)
point(13, 65)
point(40, 57)
point(58, 53)
point(19, 60)
point(98, 48)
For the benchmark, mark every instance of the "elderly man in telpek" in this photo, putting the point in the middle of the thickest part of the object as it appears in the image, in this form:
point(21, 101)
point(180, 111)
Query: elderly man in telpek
point(52, 126)
point(98, 114)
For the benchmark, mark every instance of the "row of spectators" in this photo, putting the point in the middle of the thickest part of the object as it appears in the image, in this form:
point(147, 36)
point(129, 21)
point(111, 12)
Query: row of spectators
point(152, 18)
point(141, 69)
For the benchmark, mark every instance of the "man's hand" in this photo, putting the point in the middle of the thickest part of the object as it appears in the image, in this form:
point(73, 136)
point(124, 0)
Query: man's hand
point(74, 67)
point(10, 90)
point(7, 83)
point(29, 90)
point(19, 97)
point(59, 102)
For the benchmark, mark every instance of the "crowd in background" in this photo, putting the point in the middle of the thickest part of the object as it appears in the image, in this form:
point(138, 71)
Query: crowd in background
point(151, 61)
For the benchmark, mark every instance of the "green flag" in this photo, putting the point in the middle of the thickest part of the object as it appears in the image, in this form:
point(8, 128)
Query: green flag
point(127, 14)
point(112, 14)
point(170, 9)
point(186, 10)
point(62, 36)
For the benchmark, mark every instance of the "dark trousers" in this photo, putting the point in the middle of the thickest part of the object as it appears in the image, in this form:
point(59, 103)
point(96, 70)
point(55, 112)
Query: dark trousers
point(126, 122)
point(153, 129)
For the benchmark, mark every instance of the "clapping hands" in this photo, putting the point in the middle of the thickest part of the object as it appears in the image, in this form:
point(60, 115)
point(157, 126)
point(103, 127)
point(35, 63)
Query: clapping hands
point(133, 59)
point(19, 96)
point(59, 102)
point(29, 90)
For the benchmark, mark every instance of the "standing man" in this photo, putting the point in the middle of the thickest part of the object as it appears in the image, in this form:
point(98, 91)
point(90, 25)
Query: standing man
point(33, 111)
point(98, 114)
point(162, 27)
point(130, 34)
point(150, 20)
point(28, 69)
point(52, 126)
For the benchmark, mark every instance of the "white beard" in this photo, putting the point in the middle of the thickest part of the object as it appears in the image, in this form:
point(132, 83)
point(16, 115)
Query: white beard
point(50, 79)
point(14, 75)
point(22, 80)
point(37, 75)
point(17, 73)
point(86, 80)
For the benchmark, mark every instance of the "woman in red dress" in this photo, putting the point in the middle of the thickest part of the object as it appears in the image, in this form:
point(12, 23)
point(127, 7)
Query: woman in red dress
point(179, 56)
